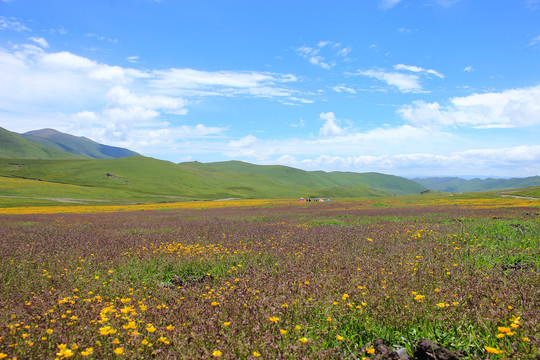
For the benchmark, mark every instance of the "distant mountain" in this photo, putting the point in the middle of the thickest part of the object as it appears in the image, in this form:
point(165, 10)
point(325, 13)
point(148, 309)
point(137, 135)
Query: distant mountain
point(77, 145)
point(459, 185)
point(12, 145)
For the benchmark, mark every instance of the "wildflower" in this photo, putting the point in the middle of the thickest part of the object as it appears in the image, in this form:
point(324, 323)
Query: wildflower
point(340, 338)
point(283, 332)
point(64, 351)
point(500, 336)
point(216, 353)
point(370, 350)
point(345, 296)
point(170, 327)
point(503, 329)
point(492, 350)
point(214, 303)
point(525, 338)
point(119, 351)
point(164, 340)
point(2, 355)
point(303, 340)
point(226, 323)
point(256, 354)
point(150, 328)
point(285, 305)
point(49, 331)
point(298, 327)
point(419, 297)
point(273, 319)
point(88, 351)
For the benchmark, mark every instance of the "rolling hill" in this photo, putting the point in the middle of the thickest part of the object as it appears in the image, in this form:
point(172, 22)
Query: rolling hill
point(233, 179)
point(78, 145)
point(459, 185)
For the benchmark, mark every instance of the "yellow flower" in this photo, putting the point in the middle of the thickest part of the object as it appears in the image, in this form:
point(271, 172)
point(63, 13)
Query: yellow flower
point(256, 354)
point(273, 319)
point(492, 350)
point(216, 353)
point(503, 329)
point(345, 296)
point(340, 338)
point(283, 332)
point(298, 327)
point(163, 339)
point(419, 297)
point(500, 336)
point(370, 350)
point(49, 331)
point(525, 338)
point(2, 355)
point(329, 319)
point(150, 328)
point(64, 351)
point(303, 340)
point(170, 327)
point(226, 323)
point(87, 352)
point(214, 303)
point(119, 351)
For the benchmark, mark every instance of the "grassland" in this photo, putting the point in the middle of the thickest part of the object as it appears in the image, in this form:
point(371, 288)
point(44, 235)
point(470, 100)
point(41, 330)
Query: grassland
point(145, 180)
point(273, 279)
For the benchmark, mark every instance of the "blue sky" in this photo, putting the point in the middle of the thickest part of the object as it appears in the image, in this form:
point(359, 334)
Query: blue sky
point(423, 87)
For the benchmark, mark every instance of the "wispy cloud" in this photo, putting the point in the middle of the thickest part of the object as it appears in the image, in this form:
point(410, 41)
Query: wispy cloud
point(332, 51)
point(12, 24)
point(388, 4)
point(418, 69)
point(132, 59)
point(119, 105)
point(403, 82)
point(468, 68)
point(40, 41)
point(535, 41)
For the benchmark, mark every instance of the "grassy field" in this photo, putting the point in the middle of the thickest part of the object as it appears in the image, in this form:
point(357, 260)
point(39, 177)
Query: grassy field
point(272, 279)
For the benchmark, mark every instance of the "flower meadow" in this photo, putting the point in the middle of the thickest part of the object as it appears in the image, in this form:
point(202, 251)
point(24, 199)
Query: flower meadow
point(288, 280)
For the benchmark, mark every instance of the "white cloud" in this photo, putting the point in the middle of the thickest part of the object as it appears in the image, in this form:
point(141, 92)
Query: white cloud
point(344, 52)
point(12, 24)
point(314, 56)
point(342, 88)
point(40, 41)
point(535, 41)
point(330, 127)
point(417, 69)
point(404, 82)
point(132, 59)
point(506, 109)
point(387, 4)
point(468, 69)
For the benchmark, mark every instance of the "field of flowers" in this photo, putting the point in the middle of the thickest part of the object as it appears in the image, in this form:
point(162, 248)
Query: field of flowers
point(272, 280)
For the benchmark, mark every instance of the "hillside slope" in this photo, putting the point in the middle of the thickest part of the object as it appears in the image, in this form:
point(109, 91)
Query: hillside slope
point(205, 181)
point(78, 145)
point(13, 145)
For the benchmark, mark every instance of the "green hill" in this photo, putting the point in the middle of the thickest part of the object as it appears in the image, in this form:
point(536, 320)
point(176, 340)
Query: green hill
point(13, 145)
point(458, 185)
point(78, 145)
point(146, 177)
